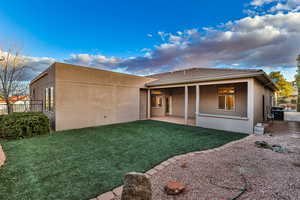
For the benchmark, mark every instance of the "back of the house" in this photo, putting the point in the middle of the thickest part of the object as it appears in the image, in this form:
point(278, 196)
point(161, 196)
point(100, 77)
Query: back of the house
point(227, 99)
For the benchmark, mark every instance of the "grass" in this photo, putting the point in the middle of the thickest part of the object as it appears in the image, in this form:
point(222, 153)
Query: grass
point(83, 163)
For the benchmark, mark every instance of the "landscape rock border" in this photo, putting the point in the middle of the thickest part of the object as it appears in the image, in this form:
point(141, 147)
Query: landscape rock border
point(2, 156)
point(117, 192)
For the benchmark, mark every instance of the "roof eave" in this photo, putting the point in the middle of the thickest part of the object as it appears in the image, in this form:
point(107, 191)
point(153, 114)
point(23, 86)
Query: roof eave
point(250, 75)
point(207, 79)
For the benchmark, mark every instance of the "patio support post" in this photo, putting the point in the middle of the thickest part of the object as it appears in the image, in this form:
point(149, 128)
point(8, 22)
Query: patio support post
point(149, 104)
point(250, 104)
point(197, 99)
point(186, 103)
point(170, 106)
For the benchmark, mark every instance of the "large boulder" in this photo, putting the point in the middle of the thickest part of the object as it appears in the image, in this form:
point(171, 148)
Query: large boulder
point(136, 187)
point(2, 156)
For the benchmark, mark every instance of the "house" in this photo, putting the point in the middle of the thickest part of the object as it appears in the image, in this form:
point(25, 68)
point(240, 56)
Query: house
point(225, 99)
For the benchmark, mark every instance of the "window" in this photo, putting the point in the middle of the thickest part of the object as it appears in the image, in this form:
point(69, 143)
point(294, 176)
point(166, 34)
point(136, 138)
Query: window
point(46, 103)
point(226, 98)
point(49, 99)
point(156, 101)
point(33, 94)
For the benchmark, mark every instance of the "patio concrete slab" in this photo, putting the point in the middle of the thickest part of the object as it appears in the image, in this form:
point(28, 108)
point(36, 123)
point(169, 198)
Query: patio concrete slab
point(176, 120)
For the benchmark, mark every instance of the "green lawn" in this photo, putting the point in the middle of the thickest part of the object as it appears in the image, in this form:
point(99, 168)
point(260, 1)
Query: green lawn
point(83, 163)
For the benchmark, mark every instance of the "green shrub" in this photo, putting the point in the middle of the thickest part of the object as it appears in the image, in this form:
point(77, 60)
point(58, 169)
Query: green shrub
point(23, 125)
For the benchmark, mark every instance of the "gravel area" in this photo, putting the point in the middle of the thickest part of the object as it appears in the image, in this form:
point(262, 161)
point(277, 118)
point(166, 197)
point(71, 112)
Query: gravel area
point(221, 174)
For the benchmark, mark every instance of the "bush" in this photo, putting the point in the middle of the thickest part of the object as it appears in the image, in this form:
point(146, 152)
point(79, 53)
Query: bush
point(23, 125)
point(293, 101)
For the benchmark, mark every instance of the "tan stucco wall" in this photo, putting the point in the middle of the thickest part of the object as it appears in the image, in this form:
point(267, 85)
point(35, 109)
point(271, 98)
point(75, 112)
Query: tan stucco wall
point(241, 121)
point(259, 91)
point(178, 101)
point(46, 80)
point(226, 124)
point(209, 99)
point(89, 97)
point(143, 104)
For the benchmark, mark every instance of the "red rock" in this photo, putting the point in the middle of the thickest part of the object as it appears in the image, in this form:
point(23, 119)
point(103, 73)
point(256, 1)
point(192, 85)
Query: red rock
point(174, 188)
point(183, 165)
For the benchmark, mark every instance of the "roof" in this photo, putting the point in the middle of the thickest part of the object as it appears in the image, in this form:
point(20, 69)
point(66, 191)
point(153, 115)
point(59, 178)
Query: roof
point(193, 75)
point(45, 72)
point(14, 99)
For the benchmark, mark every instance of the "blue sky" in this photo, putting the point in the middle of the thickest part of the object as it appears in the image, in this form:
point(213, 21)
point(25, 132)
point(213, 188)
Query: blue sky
point(144, 37)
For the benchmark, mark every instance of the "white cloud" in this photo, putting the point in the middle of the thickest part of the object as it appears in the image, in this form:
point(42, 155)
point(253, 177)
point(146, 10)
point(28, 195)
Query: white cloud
point(262, 2)
point(269, 41)
point(93, 60)
point(275, 5)
point(33, 65)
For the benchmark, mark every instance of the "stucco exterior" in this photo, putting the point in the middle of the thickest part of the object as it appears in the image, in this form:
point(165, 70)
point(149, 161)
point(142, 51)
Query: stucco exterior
point(261, 94)
point(178, 101)
point(208, 101)
point(37, 89)
point(143, 104)
point(85, 97)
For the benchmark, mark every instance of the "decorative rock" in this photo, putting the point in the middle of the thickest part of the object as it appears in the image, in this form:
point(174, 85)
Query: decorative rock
point(151, 172)
point(118, 191)
point(191, 154)
point(263, 144)
point(136, 187)
point(183, 165)
point(159, 167)
point(278, 148)
point(172, 160)
point(2, 156)
point(165, 163)
point(174, 188)
point(106, 196)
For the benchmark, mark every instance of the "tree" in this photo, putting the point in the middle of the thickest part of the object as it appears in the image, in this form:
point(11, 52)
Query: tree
point(285, 87)
point(11, 74)
point(297, 77)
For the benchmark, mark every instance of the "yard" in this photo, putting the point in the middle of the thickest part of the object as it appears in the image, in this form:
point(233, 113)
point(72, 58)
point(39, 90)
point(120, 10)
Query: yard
point(83, 163)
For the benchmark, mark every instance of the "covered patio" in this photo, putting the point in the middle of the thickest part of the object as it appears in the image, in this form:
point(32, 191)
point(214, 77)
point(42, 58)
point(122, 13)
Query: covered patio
point(225, 99)
point(219, 104)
